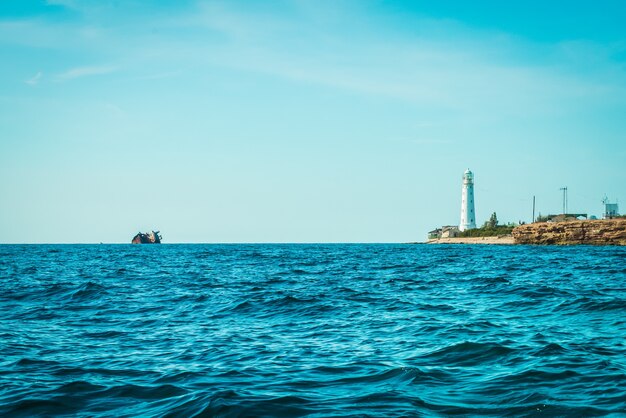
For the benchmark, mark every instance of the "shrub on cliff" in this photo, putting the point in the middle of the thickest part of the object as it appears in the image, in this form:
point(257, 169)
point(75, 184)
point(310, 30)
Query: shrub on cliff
point(487, 231)
point(492, 222)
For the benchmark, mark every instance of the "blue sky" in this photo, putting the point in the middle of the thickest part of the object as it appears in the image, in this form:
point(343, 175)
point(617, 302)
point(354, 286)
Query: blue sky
point(303, 121)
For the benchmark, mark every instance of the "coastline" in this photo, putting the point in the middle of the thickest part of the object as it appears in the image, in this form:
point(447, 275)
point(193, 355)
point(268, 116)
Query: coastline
point(498, 240)
point(587, 232)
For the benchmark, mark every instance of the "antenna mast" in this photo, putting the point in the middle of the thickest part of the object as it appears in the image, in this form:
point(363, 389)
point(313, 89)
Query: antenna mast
point(564, 189)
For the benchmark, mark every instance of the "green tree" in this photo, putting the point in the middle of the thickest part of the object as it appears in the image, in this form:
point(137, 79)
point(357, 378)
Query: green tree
point(489, 229)
point(492, 222)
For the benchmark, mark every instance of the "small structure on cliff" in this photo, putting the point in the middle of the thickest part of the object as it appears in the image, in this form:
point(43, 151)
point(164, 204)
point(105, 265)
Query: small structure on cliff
point(148, 238)
point(611, 210)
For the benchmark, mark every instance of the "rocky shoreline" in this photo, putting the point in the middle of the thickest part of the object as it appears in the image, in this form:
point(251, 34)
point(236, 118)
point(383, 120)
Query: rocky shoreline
point(588, 232)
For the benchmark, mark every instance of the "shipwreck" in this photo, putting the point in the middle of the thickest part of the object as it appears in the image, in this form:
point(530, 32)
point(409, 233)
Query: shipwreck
point(148, 238)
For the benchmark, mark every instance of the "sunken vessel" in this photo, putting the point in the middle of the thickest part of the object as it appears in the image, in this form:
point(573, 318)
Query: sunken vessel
point(148, 238)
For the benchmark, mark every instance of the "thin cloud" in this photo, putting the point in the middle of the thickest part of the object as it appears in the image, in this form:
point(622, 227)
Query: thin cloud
point(85, 72)
point(113, 109)
point(33, 81)
point(421, 141)
point(70, 4)
point(430, 141)
point(159, 76)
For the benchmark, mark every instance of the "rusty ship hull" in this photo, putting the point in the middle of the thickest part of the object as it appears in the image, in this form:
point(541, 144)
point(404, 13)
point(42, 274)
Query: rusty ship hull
point(148, 238)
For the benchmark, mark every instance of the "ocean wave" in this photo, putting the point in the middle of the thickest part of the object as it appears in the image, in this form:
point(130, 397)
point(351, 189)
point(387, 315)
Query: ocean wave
point(468, 354)
point(588, 304)
point(88, 291)
point(322, 330)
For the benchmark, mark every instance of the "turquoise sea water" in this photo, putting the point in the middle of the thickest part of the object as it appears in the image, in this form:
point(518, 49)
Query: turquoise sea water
point(312, 330)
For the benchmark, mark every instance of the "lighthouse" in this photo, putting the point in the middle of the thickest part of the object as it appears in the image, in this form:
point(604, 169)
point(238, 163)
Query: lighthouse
point(468, 215)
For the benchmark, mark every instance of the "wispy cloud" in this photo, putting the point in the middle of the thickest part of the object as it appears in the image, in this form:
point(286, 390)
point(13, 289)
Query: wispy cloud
point(452, 66)
point(422, 141)
point(430, 141)
point(84, 72)
point(65, 3)
point(158, 76)
point(34, 80)
point(446, 64)
point(113, 109)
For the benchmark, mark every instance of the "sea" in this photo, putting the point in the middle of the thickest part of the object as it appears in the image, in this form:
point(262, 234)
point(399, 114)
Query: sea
point(320, 330)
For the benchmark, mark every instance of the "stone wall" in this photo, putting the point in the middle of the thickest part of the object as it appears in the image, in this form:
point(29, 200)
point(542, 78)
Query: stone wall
point(596, 232)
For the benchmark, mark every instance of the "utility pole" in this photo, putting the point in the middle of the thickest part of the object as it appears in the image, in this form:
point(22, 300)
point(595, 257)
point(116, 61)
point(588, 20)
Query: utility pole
point(564, 189)
point(533, 210)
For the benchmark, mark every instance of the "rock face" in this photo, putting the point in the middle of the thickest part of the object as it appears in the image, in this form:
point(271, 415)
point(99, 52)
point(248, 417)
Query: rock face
point(596, 232)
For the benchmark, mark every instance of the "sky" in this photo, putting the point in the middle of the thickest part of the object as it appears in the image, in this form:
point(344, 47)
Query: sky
point(303, 121)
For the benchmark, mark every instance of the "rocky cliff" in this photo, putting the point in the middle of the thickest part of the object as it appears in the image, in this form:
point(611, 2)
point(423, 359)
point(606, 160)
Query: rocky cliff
point(597, 232)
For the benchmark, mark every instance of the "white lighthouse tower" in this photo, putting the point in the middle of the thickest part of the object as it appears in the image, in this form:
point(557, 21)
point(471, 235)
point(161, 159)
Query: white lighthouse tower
point(468, 215)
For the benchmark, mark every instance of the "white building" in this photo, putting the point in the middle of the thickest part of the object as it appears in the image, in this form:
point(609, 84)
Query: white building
point(447, 231)
point(468, 214)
